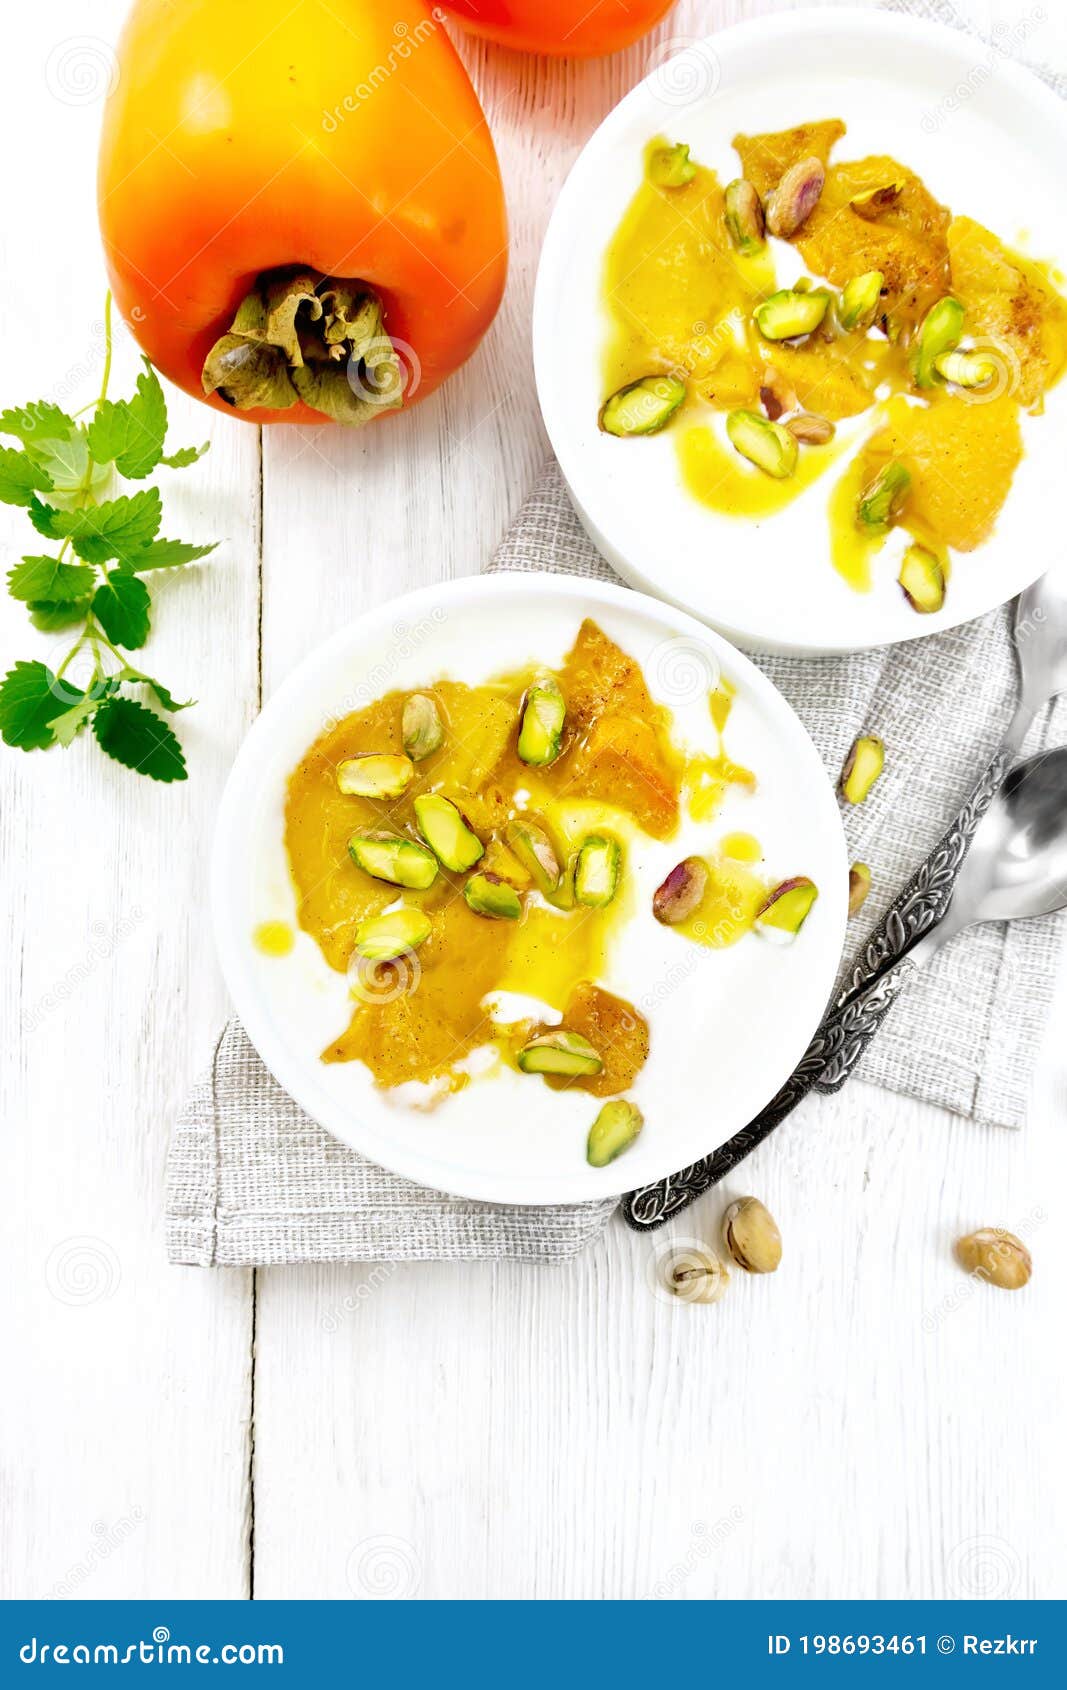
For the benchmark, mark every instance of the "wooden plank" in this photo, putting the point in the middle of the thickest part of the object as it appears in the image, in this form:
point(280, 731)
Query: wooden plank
point(125, 1417)
point(867, 1422)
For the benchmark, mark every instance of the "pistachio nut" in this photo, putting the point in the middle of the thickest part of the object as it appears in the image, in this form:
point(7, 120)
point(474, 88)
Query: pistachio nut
point(696, 1276)
point(859, 884)
point(996, 1256)
point(862, 767)
point(421, 727)
point(751, 1235)
point(743, 215)
point(795, 197)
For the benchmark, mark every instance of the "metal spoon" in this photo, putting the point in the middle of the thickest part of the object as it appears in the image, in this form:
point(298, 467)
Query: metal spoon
point(1039, 634)
point(1016, 868)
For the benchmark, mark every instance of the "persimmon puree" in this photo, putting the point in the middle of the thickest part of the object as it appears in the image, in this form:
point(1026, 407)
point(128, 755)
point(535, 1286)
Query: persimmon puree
point(684, 284)
point(961, 458)
point(619, 773)
point(419, 1015)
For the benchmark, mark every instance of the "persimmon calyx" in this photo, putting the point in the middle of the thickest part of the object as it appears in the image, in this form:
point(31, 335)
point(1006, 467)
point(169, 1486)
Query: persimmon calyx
point(301, 336)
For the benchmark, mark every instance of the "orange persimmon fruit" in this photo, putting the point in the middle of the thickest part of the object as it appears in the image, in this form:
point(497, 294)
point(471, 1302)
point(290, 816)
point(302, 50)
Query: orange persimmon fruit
point(300, 203)
point(572, 29)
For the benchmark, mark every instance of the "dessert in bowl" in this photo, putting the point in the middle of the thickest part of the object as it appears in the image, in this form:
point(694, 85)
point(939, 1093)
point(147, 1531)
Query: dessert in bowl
point(799, 358)
point(536, 901)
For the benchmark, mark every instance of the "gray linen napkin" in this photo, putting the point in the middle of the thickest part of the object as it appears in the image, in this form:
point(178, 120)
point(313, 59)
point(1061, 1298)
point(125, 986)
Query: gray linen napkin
point(252, 1180)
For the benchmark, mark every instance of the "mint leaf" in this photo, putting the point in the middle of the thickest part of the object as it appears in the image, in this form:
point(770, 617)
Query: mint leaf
point(149, 409)
point(72, 721)
point(130, 432)
point(165, 698)
point(109, 430)
point(184, 456)
point(20, 477)
point(52, 618)
point(30, 700)
point(120, 605)
point(47, 578)
point(165, 554)
point(66, 461)
point(40, 420)
point(118, 528)
point(136, 737)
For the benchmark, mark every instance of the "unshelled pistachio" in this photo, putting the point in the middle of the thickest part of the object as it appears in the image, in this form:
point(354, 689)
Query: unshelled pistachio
point(751, 1235)
point(996, 1256)
point(696, 1276)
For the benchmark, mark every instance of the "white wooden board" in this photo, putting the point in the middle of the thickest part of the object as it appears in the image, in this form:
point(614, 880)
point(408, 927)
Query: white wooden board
point(860, 1425)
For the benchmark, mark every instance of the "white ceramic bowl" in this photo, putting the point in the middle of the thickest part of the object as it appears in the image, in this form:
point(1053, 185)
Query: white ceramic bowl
point(727, 1027)
point(986, 136)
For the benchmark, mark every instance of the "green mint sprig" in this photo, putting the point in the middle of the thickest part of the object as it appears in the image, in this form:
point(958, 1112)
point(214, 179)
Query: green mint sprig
point(66, 474)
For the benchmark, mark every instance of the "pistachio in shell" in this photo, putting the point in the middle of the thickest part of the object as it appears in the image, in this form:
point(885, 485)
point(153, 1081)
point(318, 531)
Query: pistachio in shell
point(751, 1235)
point(696, 1276)
point(996, 1256)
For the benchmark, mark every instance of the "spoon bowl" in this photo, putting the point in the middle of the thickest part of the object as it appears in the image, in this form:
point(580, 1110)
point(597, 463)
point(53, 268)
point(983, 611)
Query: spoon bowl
point(1017, 864)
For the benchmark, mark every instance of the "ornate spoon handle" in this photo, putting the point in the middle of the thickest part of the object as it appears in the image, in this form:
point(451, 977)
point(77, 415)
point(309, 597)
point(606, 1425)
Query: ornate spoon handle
point(844, 1034)
point(926, 897)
